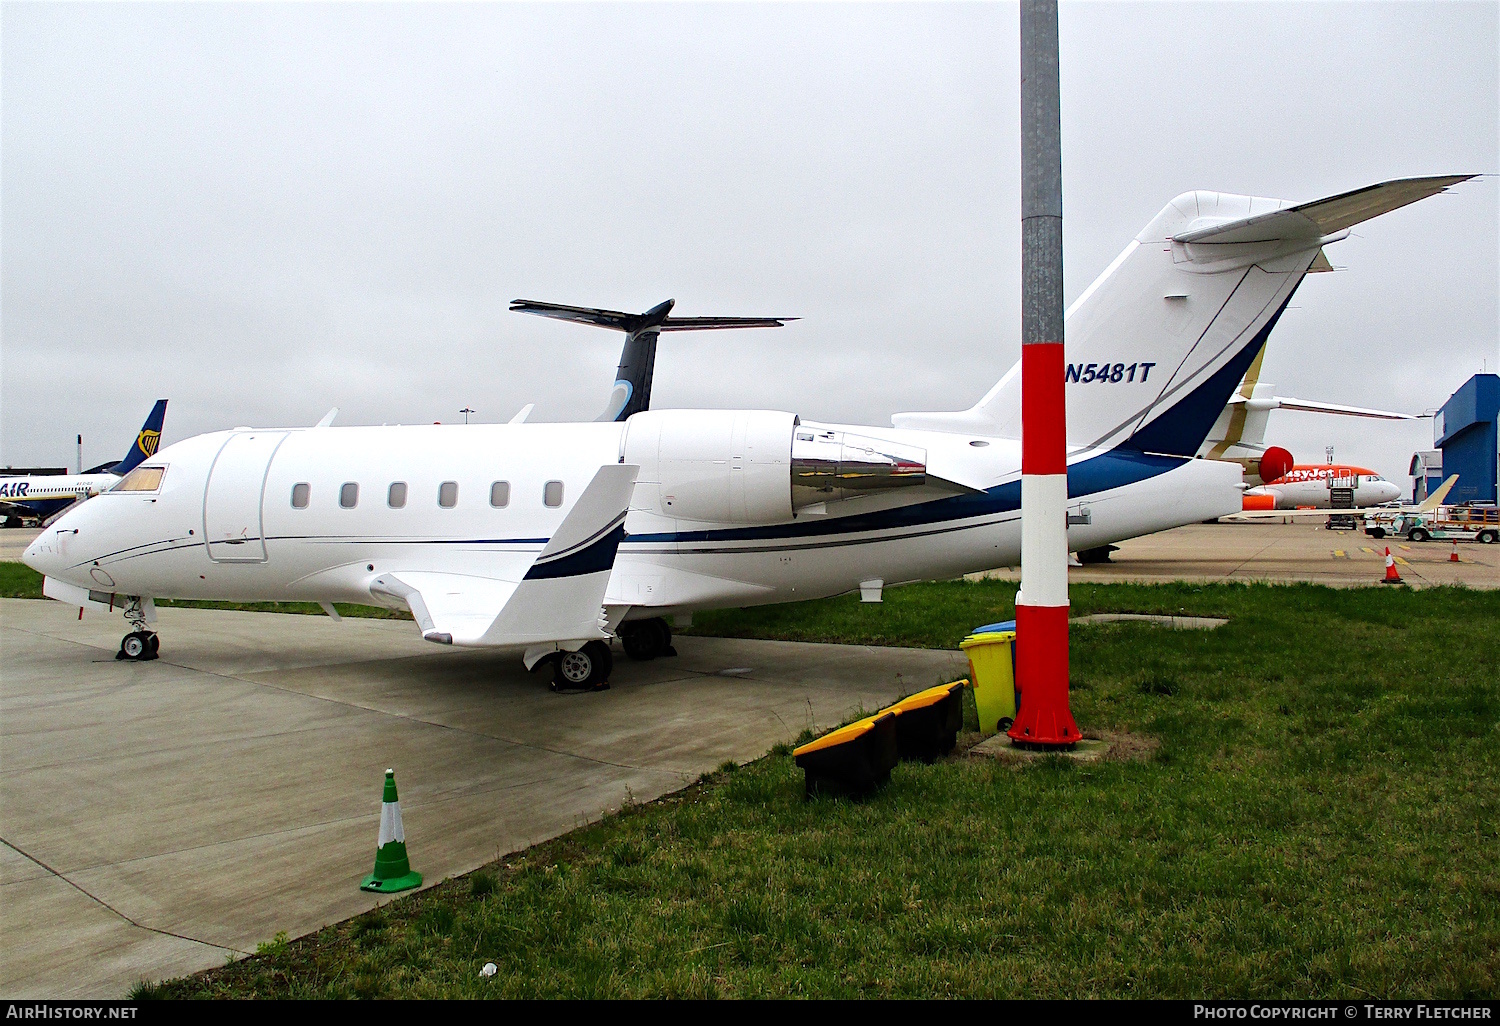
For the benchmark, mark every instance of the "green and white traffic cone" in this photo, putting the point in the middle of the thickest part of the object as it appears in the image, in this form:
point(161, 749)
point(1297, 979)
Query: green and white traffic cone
point(392, 870)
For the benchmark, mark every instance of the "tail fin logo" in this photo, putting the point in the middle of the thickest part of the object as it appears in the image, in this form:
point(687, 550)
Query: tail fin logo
point(147, 441)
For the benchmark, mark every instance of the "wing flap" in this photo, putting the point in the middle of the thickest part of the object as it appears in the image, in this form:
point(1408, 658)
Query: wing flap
point(451, 609)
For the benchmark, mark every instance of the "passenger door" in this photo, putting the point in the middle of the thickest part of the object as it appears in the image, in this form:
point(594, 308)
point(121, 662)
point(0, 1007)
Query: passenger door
point(232, 521)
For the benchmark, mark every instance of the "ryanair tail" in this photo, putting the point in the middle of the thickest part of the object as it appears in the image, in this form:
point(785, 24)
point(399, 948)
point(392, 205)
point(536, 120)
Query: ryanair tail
point(1158, 343)
point(146, 442)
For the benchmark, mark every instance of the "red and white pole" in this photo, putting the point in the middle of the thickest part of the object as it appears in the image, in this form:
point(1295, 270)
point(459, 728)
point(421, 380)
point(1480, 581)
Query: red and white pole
point(1044, 718)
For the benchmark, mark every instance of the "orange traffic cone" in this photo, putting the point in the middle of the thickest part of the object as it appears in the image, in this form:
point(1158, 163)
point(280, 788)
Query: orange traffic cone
point(1391, 577)
point(1453, 556)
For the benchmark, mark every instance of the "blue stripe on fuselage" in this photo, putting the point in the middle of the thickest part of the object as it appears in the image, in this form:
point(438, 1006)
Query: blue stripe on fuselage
point(1087, 477)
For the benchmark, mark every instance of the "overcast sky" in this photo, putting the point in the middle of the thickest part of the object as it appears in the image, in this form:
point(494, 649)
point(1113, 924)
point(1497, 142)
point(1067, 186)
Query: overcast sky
point(264, 211)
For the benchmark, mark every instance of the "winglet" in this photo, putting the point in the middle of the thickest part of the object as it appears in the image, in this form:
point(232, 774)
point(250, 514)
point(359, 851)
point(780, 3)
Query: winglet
point(562, 595)
point(1435, 500)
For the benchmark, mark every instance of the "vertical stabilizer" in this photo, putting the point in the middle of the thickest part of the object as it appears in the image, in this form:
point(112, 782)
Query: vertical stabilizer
point(1156, 346)
point(146, 441)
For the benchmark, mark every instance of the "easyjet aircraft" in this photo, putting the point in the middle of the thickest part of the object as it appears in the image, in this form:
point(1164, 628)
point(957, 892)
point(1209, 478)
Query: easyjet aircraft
point(550, 539)
point(1239, 435)
point(1316, 486)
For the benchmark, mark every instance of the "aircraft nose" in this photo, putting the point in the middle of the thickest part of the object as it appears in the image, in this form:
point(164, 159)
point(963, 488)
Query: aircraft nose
point(41, 554)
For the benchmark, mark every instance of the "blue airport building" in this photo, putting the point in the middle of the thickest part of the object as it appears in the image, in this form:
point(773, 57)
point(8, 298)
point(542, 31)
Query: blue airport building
point(1465, 430)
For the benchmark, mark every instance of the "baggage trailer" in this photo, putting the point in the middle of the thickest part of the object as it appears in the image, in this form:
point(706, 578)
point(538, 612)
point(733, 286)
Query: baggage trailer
point(1446, 523)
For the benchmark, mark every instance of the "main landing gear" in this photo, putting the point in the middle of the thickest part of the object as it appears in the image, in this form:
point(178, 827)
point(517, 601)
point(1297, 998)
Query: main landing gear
point(140, 644)
point(646, 639)
point(584, 670)
point(588, 669)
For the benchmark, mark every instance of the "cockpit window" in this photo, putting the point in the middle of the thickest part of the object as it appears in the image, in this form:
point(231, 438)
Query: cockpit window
point(141, 479)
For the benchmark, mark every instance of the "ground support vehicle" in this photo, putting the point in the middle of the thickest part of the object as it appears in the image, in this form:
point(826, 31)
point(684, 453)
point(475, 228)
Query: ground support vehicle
point(1446, 523)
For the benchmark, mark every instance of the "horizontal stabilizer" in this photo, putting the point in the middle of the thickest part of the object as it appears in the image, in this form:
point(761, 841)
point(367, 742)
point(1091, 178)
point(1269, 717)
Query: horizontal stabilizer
point(1308, 406)
point(656, 318)
point(1322, 217)
point(1311, 406)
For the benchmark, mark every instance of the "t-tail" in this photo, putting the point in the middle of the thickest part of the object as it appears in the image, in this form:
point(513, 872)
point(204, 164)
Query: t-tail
point(632, 389)
point(1156, 346)
point(146, 442)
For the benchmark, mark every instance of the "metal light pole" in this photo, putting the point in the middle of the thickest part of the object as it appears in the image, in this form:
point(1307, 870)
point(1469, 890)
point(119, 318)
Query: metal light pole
point(1042, 604)
point(466, 411)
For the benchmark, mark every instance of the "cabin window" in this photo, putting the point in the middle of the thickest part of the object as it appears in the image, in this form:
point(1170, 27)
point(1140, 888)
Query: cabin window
point(300, 494)
point(396, 497)
point(448, 494)
point(500, 494)
point(141, 479)
point(349, 495)
point(552, 494)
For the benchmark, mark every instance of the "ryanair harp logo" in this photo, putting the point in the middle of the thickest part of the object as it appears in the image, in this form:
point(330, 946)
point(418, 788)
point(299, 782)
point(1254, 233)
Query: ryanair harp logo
point(147, 441)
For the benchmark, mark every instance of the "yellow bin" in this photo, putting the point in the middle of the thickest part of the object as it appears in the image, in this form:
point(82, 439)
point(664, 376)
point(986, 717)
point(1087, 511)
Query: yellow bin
point(992, 667)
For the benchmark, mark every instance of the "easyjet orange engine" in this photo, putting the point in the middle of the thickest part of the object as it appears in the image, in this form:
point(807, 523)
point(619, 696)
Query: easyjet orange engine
point(1260, 502)
point(1275, 462)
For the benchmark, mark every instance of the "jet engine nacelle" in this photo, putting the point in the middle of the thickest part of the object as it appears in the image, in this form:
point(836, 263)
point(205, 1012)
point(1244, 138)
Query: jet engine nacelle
point(756, 466)
point(1275, 462)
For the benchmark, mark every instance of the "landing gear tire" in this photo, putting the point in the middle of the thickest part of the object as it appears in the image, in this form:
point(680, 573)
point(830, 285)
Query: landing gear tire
point(647, 639)
point(138, 646)
point(585, 670)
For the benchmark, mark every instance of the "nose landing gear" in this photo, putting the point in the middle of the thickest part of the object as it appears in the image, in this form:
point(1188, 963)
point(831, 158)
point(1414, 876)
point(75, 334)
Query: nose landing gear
point(141, 644)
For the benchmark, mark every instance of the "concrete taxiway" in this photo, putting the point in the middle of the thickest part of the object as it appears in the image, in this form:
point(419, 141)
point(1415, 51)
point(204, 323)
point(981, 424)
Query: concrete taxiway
point(161, 817)
point(1284, 554)
point(13, 542)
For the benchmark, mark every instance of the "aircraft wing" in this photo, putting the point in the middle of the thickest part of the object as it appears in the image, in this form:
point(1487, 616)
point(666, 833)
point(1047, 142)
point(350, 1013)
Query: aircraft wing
point(1323, 217)
point(1275, 514)
point(556, 597)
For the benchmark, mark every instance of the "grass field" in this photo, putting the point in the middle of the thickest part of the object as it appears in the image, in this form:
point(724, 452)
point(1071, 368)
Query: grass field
point(1321, 818)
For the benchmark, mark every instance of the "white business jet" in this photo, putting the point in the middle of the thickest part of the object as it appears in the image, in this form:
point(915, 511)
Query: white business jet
point(545, 539)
